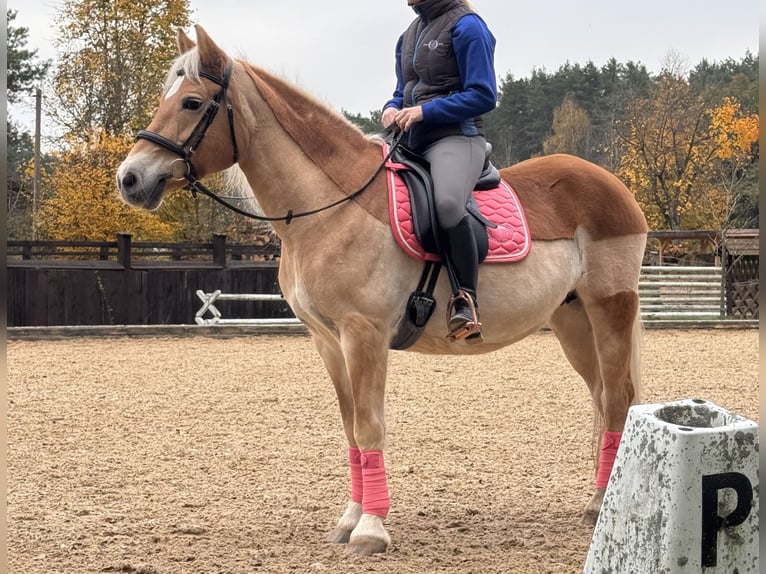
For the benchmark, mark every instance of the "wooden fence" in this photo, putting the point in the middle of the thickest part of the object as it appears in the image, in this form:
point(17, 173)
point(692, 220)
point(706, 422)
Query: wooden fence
point(124, 250)
point(132, 283)
point(70, 287)
point(681, 293)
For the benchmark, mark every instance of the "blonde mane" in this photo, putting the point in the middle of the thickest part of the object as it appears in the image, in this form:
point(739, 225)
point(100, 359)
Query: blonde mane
point(331, 141)
point(336, 145)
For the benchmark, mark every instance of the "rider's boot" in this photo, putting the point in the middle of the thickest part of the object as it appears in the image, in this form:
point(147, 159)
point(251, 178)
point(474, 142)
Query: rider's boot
point(463, 258)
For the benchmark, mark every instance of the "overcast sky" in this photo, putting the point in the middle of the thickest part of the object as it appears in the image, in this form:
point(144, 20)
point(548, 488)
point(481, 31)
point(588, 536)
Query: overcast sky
point(341, 51)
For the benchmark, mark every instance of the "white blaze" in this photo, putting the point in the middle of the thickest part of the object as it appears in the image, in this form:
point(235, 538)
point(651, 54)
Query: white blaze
point(175, 87)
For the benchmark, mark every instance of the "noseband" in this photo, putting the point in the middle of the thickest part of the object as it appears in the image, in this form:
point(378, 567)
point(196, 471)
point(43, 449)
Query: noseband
point(186, 150)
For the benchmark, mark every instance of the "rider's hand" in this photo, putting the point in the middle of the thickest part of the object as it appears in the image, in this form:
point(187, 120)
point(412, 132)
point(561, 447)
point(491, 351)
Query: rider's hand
point(388, 117)
point(407, 117)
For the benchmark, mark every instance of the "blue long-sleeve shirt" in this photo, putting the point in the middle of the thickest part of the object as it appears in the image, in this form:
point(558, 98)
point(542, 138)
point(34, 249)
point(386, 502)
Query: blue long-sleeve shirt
point(473, 45)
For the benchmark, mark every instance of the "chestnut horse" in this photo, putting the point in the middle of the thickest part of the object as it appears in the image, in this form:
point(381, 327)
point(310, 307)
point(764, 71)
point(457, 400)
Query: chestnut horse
point(347, 279)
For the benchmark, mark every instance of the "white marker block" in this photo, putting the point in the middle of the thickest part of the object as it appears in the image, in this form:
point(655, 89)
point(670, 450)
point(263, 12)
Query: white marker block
point(683, 496)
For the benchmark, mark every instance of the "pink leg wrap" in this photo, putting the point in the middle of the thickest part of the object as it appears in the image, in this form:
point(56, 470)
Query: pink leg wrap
point(375, 496)
point(355, 463)
point(609, 445)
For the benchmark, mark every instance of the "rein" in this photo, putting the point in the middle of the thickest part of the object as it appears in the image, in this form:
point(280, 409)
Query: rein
point(198, 187)
point(186, 150)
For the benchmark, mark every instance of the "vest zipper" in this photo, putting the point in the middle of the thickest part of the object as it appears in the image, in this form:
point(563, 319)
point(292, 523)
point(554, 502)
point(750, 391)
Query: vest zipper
point(413, 103)
point(415, 65)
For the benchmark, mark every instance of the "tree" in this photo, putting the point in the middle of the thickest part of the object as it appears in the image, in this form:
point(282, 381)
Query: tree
point(733, 169)
point(112, 63)
point(24, 72)
point(620, 84)
point(86, 206)
point(371, 125)
point(23, 68)
point(525, 113)
point(737, 79)
point(690, 162)
point(571, 131)
point(666, 150)
point(522, 118)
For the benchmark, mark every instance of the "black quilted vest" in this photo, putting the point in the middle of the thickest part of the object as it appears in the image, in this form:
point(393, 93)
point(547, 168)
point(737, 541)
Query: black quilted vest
point(430, 70)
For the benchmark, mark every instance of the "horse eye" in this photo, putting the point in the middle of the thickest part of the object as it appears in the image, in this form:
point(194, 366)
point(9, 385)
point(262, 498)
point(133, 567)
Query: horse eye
point(192, 104)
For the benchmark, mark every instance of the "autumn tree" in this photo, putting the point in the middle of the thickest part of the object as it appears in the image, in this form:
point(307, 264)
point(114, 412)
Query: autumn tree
point(571, 131)
point(113, 59)
point(667, 150)
point(689, 160)
point(733, 173)
point(85, 205)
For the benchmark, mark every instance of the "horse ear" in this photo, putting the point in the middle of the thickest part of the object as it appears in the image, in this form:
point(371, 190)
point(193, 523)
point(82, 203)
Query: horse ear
point(210, 55)
point(184, 42)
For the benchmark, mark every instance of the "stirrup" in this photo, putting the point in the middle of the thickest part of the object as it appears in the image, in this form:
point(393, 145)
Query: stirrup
point(470, 331)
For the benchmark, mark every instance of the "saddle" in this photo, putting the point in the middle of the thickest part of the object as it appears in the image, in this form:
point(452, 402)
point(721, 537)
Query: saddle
point(497, 216)
point(497, 220)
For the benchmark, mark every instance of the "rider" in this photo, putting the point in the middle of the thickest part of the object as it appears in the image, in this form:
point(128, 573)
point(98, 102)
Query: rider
point(445, 82)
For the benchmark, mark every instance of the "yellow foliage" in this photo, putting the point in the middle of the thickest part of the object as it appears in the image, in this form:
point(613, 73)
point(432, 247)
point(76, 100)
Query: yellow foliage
point(80, 199)
point(571, 128)
point(734, 133)
point(675, 151)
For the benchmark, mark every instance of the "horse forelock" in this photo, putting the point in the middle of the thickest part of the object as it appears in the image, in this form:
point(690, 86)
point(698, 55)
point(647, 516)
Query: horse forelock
point(187, 63)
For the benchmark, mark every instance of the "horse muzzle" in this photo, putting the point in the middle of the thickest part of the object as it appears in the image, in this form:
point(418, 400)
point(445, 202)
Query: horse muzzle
point(139, 191)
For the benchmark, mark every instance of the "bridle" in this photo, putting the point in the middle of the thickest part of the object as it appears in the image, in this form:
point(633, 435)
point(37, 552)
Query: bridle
point(186, 150)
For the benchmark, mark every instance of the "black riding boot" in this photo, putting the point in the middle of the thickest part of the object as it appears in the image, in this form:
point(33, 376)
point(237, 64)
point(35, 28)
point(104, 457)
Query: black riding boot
point(463, 259)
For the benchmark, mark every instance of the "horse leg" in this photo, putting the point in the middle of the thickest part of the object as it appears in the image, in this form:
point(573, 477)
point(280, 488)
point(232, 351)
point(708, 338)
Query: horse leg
point(572, 327)
point(365, 351)
point(332, 356)
point(610, 354)
point(616, 329)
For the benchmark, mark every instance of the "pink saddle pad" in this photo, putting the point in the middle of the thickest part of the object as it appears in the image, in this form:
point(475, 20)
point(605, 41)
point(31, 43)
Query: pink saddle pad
point(508, 242)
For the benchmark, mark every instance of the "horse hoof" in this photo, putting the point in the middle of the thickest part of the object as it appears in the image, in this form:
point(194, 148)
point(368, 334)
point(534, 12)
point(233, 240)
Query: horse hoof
point(338, 536)
point(589, 518)
point(593, 508)
point(366, 546)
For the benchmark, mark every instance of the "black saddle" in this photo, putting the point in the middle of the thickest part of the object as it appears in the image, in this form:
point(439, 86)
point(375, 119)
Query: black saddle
point(417, 177)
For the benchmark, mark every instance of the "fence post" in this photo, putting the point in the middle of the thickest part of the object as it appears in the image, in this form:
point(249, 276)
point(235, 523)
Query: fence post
point(219, 249)
point(123, 249)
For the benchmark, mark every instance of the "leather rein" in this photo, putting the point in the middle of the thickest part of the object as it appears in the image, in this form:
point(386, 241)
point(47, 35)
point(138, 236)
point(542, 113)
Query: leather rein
point(186, 150)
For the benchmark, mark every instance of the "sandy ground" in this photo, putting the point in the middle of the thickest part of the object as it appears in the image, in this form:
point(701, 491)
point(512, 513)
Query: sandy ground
point(206, 456)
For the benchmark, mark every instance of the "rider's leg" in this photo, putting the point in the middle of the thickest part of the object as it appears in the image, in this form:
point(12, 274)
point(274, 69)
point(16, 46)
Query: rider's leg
point(456, 163)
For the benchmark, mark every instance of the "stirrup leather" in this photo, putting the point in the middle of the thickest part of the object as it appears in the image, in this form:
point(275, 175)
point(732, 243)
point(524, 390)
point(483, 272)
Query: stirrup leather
point(471, 327)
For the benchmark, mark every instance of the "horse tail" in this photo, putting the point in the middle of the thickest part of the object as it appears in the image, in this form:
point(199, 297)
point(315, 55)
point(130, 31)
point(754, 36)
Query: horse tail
point(636, 345)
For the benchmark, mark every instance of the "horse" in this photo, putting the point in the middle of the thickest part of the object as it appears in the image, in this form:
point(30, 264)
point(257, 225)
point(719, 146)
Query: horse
point(346, 278)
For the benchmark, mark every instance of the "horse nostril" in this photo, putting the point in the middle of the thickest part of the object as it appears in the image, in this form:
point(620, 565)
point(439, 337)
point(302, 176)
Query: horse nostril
point(129, 180)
